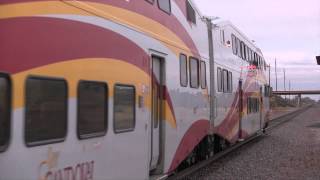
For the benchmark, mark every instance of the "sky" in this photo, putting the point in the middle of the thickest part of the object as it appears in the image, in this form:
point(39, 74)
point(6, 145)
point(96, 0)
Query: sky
point(286, 30)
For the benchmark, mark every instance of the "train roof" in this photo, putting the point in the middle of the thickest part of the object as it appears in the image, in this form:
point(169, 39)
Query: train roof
point(221, 23)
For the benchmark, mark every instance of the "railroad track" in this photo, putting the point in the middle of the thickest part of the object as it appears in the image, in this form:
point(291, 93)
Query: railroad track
point(274, 123)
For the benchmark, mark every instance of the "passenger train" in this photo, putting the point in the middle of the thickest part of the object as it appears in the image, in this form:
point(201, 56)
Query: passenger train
point(122, 89)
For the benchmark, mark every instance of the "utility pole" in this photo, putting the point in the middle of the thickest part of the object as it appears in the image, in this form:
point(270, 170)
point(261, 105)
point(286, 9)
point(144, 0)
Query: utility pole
point(275, 66)
point(290, 89)
point(284, 82)
point(269, 74)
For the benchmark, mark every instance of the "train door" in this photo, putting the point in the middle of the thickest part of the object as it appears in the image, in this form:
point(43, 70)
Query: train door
point(157, 93)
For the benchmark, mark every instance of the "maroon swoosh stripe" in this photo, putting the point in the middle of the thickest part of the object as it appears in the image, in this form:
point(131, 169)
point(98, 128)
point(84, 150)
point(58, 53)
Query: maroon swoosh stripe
point(31, 42)
point(146, 9)
point(233, 118)
point(197, 131)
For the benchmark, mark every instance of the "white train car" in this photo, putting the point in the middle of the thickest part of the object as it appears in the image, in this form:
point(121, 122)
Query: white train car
point(109, 89)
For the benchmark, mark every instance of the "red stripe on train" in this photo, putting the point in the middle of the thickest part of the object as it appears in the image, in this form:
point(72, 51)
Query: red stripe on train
point(146, 9)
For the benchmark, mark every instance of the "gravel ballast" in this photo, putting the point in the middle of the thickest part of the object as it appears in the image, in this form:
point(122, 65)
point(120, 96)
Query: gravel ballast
point(290, 151)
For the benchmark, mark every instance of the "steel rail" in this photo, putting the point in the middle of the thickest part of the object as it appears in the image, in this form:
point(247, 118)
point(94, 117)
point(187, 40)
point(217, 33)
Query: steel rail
point(274, 123)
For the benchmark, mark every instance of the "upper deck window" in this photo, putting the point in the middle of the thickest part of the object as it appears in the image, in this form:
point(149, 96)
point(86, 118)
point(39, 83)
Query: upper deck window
point(165, 5)
point(5, 103)
point(238, 47)
point(191, 14)
point(234, 44)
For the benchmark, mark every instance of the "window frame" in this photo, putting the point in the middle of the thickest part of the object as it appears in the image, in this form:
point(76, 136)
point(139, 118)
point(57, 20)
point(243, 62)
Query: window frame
point(170, 8)
point(193, 16)
point(7, 77)
point(187, 77)
point(205, 75)
point(47, 141)
point(134, 112)
point(96, 134)
point(234, 44)
point(225, 86)
point(219, 79)
point(238, 47)
point(198, 72)
point(230, 82)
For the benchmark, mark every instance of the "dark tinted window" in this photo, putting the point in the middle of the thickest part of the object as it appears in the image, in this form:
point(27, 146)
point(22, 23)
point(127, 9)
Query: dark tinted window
point(124, 108)
point(219, 80)
point(92, 109)
point(191, 14)
point(165, 5)
point(5, 107)
point(194, 72)
point(229, 81)
point(238, 47)
point(255, 61)
point(203, 75)
point(247, 53)
point(225, 80)
point(234, 44)
point(183, 70)
point(242, 46)
point(253, 105)
point(46, 111)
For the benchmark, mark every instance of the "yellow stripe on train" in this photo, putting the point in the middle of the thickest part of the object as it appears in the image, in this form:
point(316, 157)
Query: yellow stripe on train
point(111, 71)
point(118, 15)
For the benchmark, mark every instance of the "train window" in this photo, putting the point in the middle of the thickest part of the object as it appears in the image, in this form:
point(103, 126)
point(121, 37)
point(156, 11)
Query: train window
point(244, 51)
point(194, 72)
point(165, 5)
point(183, 70)
point(252, 57)
point(46, 110)
point(238, 48)
point(259, 62)
point(191, 14)
point(230, 81)
point(124, 108)
point(253, 105)
point(234, 44)
point(225, 80)
point(247, 52)
point(219, 80)
point(92, 109)
point(222, 37)
point(203, 75)
point(255, 61)
point(5, 107)
point(266, 89)
point(242, 47)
